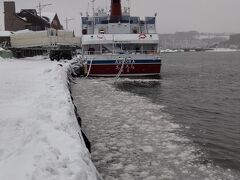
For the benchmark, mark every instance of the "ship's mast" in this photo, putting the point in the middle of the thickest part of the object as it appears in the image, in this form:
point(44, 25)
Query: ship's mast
point(106, 8)
point(129, 6)
point(93, 7)
point(93, 14)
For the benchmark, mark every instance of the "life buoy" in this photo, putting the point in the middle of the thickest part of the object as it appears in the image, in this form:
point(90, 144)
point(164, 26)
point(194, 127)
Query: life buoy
point(142, 36)
point(99, 36)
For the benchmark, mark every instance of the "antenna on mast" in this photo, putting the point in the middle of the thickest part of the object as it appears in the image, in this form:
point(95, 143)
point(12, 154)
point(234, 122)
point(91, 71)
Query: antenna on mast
point(128, 5)
point(67, 20)
point(93, 6)
point(40, 7)
point(106, 6)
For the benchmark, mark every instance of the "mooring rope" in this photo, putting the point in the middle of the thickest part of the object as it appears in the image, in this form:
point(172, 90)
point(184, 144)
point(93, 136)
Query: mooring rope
point(90, 66)
point(120, 71)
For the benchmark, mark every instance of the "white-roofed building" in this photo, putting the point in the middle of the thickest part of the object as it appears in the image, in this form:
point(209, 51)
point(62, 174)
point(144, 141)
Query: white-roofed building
point(5, 38)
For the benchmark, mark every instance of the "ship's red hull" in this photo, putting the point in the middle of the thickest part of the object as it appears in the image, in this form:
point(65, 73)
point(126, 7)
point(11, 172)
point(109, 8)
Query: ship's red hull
point(124, 70)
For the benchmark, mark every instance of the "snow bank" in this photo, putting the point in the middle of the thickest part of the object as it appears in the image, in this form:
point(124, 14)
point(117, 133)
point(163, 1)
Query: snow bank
point(38, 128)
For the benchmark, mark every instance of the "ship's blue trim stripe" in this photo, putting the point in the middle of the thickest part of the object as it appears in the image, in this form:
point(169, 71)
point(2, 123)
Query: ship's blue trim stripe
point(139, 61)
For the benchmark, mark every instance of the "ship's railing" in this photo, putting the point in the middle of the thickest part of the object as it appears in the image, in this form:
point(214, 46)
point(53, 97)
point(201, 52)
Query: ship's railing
point(92, 52)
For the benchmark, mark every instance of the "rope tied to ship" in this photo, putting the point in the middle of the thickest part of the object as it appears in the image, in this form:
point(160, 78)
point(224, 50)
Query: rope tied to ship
point(90, 66)
point(121, 69)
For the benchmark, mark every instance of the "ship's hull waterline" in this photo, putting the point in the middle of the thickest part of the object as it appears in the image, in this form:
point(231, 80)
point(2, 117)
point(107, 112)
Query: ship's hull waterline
point(115, 68)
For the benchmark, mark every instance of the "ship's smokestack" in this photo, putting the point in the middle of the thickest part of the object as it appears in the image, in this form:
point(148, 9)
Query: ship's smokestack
point(116, 11)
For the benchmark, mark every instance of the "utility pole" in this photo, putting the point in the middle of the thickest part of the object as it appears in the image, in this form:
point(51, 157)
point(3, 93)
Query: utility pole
point(67, 20)
point(40, 7)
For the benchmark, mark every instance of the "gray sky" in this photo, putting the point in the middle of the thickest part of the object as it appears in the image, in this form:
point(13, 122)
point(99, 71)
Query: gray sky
point(172, 15)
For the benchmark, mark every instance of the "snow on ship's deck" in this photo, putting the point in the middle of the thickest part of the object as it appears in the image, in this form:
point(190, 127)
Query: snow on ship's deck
point(38, 129)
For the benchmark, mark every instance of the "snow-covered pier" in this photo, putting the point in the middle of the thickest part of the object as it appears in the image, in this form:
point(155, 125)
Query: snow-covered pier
point(39, 132)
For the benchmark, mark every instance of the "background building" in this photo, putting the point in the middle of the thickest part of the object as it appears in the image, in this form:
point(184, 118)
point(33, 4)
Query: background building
point(28, 19)
point(5, 38)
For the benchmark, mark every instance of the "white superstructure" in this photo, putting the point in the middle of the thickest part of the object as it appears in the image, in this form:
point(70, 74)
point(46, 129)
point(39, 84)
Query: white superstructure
point(120, 44)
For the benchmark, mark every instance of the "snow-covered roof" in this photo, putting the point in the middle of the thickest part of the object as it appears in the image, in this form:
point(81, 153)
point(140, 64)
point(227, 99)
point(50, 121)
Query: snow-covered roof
point(5, 33)
point(49, 15)
point(22, 31)
point(23, 18)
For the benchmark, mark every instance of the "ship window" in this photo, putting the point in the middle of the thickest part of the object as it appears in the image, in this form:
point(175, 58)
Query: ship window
point(134, 20)
point(84, 20)
point(91, 50)
point(125, 19)
point(84, 31)
point(150, 20)
point(89, 22)
point(101, 20)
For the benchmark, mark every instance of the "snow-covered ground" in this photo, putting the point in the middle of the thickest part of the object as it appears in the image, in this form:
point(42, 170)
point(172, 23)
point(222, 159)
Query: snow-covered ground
point(38, 129)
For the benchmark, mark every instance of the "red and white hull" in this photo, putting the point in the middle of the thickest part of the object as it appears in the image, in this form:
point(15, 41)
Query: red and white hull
point(133, 68)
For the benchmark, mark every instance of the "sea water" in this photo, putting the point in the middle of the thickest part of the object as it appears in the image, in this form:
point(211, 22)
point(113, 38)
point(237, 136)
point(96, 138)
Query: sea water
point(185, 125)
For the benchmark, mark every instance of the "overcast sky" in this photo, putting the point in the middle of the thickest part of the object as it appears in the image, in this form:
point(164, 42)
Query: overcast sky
point(172, 15)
